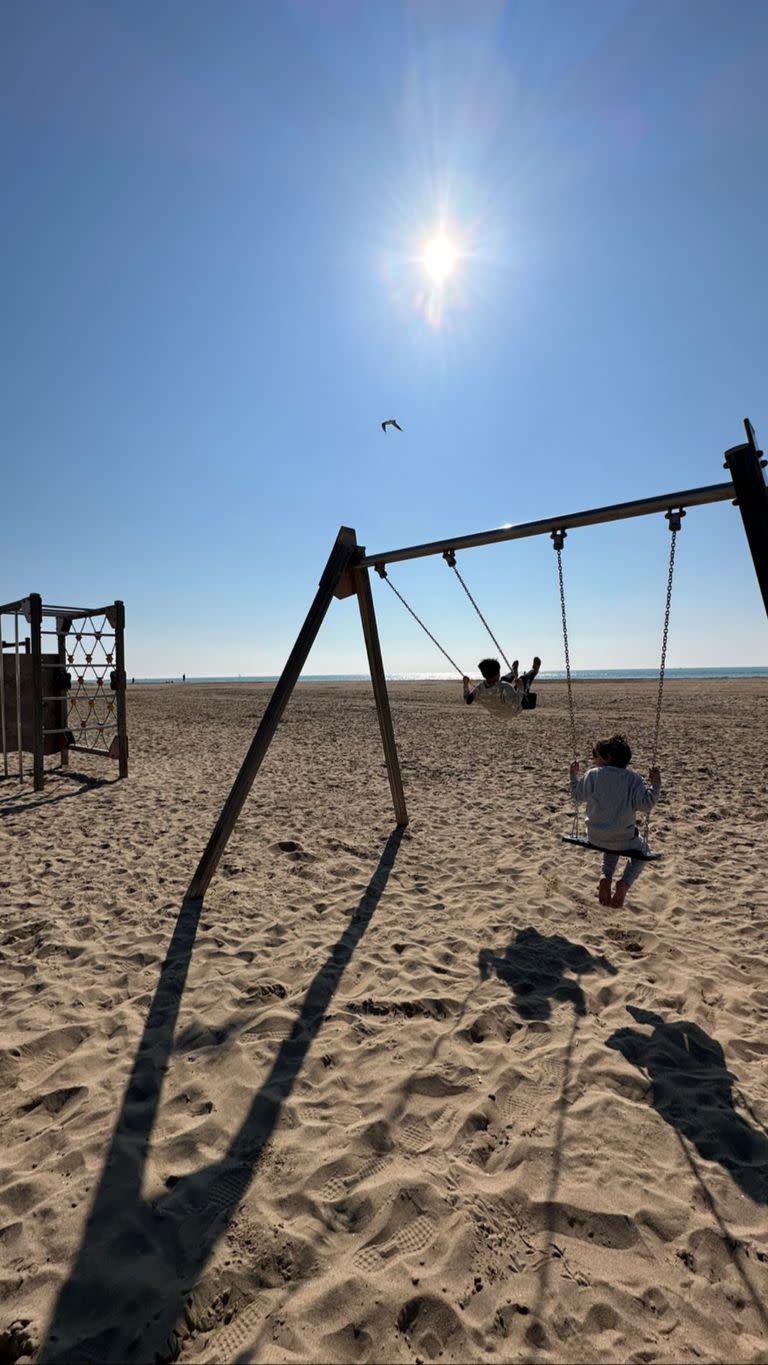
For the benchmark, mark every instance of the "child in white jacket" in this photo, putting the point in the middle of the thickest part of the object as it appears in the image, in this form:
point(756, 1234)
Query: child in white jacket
point(502, 695)
point(613, 793)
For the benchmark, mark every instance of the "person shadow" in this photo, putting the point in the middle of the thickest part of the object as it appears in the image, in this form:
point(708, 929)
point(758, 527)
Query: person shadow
point(540, 968)
point(692, 1090)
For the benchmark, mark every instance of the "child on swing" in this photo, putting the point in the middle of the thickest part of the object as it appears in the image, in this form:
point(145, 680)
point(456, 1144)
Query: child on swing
point(502, 696)
point(613, 792)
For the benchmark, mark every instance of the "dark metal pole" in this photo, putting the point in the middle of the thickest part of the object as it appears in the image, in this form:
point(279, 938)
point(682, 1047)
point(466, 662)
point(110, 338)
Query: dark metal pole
point(692, 497)
point(340, 557)
point(120, 707)
point(746, 465)
point(35, 630)
point(371, 633)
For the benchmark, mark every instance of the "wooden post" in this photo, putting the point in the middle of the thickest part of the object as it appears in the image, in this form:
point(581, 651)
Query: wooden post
point(371, 633)
point(3, 735)
point(120, 708)
point(63, 625)
point(340, 556)
point(35, 630)
point(746, 465)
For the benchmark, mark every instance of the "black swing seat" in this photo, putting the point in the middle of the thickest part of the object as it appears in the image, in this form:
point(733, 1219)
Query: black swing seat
point(529, 701)
point(581, 841)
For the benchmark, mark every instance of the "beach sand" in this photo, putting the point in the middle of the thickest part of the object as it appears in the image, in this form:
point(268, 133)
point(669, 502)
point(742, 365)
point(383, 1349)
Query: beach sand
point(387, 1096)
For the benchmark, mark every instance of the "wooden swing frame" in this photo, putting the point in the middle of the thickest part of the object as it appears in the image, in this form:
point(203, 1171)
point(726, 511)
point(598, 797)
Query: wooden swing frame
point(346, 575)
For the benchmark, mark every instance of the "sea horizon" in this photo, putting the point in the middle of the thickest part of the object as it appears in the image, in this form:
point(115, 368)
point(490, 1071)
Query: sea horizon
point(552, 675)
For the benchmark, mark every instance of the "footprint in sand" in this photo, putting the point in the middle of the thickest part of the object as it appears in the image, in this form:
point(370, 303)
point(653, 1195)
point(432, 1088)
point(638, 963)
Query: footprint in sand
point(406, 1241)
point(44, 1053)
point(238, 1329)
point(55, 1101)
point(340, 1185)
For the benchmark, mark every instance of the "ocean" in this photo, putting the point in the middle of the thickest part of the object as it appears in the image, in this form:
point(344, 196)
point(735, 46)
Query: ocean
point(585, 674)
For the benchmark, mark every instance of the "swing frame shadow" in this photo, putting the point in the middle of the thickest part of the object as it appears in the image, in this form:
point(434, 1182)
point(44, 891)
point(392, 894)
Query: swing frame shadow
point(346, 575)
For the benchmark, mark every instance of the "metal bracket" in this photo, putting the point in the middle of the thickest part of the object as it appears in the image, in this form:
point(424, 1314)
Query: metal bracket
point(381, 570)
point(558, 538)
point(675, 519)
point(450, 558)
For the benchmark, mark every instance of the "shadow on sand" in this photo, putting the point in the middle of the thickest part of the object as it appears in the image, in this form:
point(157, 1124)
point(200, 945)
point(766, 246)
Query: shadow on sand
point(692, 1089)
point(540, 968)
point(139, 1260)
point(13, 803)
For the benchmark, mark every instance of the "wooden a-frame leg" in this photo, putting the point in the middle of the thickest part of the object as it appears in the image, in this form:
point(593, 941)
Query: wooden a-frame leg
point(339, 560)
point(371, 633)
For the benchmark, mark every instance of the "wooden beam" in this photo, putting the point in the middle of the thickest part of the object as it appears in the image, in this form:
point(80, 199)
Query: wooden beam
point(340, 557)
point(120, 709)
point(35, 629)
point(371, 633)
point(346, 586)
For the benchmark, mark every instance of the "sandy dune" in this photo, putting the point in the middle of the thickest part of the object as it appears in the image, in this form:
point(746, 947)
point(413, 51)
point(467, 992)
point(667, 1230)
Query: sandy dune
point(386, 1096)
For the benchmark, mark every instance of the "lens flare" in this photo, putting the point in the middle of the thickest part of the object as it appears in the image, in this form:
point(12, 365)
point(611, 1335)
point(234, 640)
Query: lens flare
point(439, 258)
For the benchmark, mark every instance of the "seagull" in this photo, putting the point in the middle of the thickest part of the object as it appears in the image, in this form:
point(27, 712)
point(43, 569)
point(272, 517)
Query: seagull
point(390, 422)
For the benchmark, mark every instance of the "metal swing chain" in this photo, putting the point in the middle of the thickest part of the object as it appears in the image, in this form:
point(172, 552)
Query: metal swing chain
point(381, 571)
point(558, 540)
point(675, 523)
point(450, 559)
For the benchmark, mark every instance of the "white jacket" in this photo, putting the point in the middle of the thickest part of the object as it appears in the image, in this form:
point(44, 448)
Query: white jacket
point(612, 796)
point(501, 699)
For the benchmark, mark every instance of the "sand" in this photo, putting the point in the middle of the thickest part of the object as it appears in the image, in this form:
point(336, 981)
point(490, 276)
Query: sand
point(386, 1097)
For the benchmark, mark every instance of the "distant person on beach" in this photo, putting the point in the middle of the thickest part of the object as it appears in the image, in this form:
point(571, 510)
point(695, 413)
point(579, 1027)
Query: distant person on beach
point(613, 793)
point(502, 696)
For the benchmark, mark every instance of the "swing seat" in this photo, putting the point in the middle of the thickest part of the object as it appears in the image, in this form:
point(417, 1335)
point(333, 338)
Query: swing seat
point(581, 841)
point(529, 702)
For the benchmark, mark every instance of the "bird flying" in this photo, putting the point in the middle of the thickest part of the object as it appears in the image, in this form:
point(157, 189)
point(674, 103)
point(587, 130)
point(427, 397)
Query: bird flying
point(390, 422)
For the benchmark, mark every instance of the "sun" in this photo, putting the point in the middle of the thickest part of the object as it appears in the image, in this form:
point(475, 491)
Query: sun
point(440, 256)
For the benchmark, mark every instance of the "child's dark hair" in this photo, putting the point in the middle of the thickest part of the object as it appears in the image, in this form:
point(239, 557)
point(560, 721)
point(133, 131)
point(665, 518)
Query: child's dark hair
point(490, 669)
point(615, 750)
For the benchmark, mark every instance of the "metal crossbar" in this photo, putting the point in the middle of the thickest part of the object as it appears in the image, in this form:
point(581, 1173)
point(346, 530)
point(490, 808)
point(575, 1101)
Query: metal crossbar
point(691, 497)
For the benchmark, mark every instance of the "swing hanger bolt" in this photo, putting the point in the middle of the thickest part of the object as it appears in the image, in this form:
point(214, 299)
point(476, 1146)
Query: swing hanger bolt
point(381, 570)
point(558, 538)
point(675, 519)
point(450, 558)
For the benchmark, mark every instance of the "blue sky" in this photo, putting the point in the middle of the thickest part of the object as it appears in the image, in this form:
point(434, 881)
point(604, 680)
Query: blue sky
point(212, 236)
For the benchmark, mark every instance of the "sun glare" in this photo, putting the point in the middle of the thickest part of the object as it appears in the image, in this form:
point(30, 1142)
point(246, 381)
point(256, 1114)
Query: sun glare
point(439, 258)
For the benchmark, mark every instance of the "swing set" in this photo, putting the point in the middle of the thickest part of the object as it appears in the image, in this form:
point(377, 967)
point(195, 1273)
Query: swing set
point(346, 575)
point(575, 838)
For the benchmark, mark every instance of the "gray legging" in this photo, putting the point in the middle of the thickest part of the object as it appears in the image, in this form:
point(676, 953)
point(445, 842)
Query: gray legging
point(633, 868)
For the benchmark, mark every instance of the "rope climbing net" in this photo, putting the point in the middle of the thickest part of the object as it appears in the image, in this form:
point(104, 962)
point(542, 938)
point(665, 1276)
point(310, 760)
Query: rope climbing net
point(91, 712)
